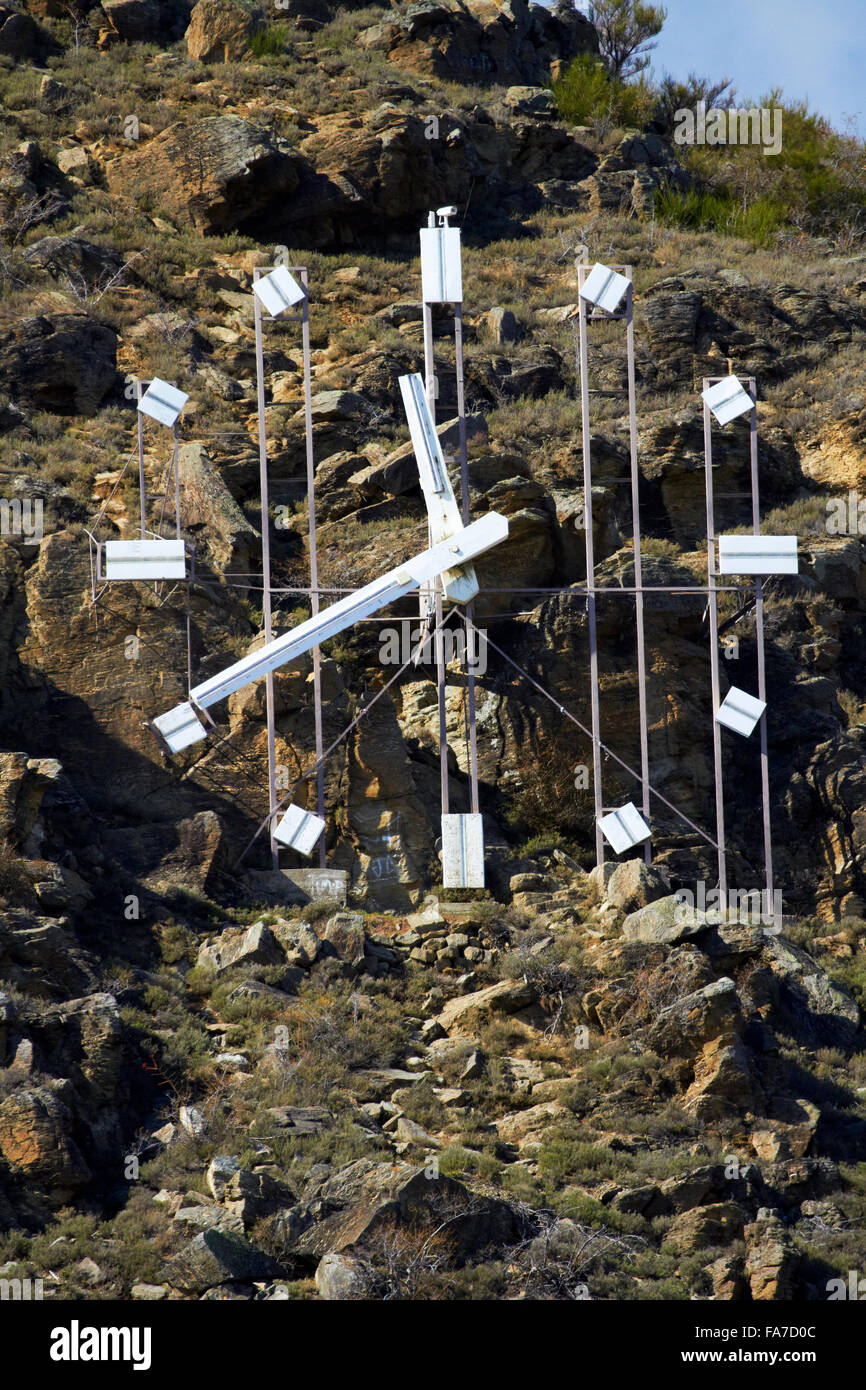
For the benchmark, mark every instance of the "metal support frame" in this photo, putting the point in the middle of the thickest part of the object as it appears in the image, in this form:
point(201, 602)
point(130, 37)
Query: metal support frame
point(639, 589)
point(591, 588)
point(638, 563)
point(304, 319)
point(266, 573)
point(712, 608)
point(314, 555)
point(713, 623)
point(97, 572)
point(432, 396)
point(471, 653)
point(434, 592)
point(142, 485)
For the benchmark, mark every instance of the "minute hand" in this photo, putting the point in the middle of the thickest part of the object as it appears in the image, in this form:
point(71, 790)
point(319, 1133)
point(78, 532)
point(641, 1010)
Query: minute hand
point(459, 549)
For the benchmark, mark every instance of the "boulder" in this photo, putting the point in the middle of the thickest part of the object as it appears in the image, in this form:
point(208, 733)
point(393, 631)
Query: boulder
point(255, 946)
point(300, 1120)
point(338, 405)
point(73, 255)
point(36, 1141)
point(697, 1018)
point(20, 37)
point(210, 1219)
point(479, 42)
point(722, 1079)
point(340, 1277)
point(771, 1261)
point(217, 174)
point(506, 997)
point(531, 101)
point(63, 363)
point(23, 783)
point(58, 889)
point(365, 1196)
point(717, 1224)
point(663, 922)
point(729, 1279)
point(503, 326)
point(344, 933)
point(634, 884)
point(193, 1120)
point(250, 1196)
point(298, 942)
point(220, 30)
point(527, 1125)
point(641, 1201)
point(600, 875)
point(788, 1132)
point(86, 1039)
point(220, 1171)
point(217, 1257)
point(207, 505)
point(692, 1189)
point(133, 21)
point(820, 1008)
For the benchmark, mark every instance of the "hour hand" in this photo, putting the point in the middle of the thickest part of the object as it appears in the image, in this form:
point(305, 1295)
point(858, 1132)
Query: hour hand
point(442, 509)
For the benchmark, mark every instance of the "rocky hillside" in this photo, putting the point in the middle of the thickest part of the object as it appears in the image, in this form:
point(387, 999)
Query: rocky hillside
point(562, 1089)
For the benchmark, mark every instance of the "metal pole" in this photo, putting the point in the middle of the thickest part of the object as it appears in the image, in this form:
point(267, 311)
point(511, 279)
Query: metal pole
point(638, 564)
point(590, 575)
point(314, 558)
point(266, 575)
point(426, 592)
point(440, 682)
point(189, 583)
point(759, 634)
point(430, 384)
point(176, 466)
point(713, 615)
point(471, 633)
point(141, 480)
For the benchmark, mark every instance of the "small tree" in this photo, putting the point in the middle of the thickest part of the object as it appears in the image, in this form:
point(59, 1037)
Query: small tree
point(626, 29)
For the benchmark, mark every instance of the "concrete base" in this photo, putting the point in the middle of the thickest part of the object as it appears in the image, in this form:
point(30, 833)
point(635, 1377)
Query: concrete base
point(299, 886)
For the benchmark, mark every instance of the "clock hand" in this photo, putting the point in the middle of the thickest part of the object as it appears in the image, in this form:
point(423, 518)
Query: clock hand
point(442, 509)
point(180, 727)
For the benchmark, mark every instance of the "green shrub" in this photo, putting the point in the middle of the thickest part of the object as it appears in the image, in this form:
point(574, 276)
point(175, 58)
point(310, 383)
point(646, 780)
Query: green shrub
point(719, 210)
point(587, 94)
point(269, 43)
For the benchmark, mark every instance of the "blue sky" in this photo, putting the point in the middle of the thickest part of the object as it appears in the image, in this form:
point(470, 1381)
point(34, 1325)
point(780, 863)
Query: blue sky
point(813, 49)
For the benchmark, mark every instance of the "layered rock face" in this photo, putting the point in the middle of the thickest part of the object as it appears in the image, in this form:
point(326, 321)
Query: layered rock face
point(484, 41)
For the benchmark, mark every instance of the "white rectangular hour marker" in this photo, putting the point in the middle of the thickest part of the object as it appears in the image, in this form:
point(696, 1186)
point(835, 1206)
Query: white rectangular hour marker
point(604, 288)
point(757, 554)
point(162, 402)
point(299, 830)
point(441, 271)
point(727, 399)
point(463, 851)
point(148, 559)
point(179, 728)
point(624, 828)
point(740, 711)
point(278, 291)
